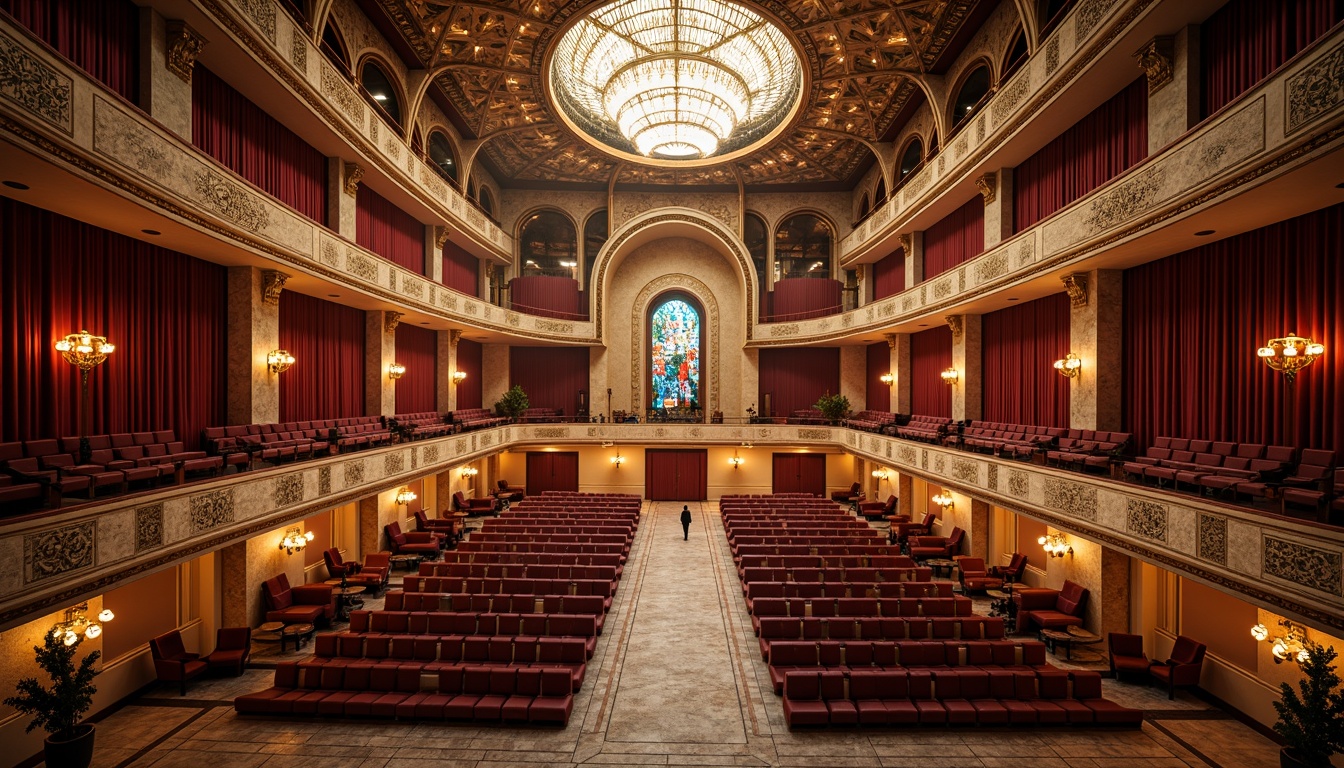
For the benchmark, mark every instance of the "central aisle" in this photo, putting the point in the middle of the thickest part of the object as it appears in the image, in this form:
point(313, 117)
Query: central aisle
point(676, 681)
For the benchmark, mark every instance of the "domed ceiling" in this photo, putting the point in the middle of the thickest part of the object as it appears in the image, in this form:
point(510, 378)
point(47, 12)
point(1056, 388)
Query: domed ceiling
point(488, 58)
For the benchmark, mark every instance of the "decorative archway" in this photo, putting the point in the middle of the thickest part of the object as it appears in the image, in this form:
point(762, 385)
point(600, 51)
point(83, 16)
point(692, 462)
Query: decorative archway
point(674, 337)
point(653, 295)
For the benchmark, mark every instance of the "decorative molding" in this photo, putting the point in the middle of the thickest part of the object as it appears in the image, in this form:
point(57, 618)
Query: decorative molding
point(1074, 499)
point(1155, 60)
point(288, 489)
point(28, 82)
point(1213, 538)
point(394, 463)
point(454, 336)
point(957, 323)
point(272, 284)
point(891, 340)
point(1075, 285)
point(58, 551)
point(232, 201)
point(324, 481)
point(441, 237)
point(907, 242)
point(353, 173)
point(391, 320)
point(988, 184)
point(148, 527)
point(1315, 90)
point(211, 510)
point(353, 472)
point(1146, 519)
point(184, 45)
point(1308, 566)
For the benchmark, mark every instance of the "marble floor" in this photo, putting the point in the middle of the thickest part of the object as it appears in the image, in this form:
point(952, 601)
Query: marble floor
point(677, 679)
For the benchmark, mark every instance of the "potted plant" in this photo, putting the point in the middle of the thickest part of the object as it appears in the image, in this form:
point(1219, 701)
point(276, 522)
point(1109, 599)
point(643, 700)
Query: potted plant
point(513, 403)
point(1311, 722)
point(833, 407)
point(57, 709)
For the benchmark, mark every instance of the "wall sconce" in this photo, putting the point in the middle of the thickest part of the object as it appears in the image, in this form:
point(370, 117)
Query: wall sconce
point(295, 540)
point(617, 459)
point(77, 626)
point(887, 379)
point(736, 460)
point(1069, 365)
point(880, 474)
point(459, 377)
point(950, 376)
point(1055, 545)
point(1290, 354)
point(405, 496)
point(278, 360)
point(944, 500)
point(396, 371)
point(1289, 646)
point(469, 472)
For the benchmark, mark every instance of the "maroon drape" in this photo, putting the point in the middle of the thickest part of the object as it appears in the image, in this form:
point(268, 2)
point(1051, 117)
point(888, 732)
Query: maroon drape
point(256, 146)
point(552, 471)
point(547, 296)
point(930, 355)
point(956, 238)
point(469, 362)
point(800, 298)
point(418, 350)
point(796, 378)
point(1194, 320)
point(552, 377)
point(101, 37)
point(1246, 40)
point(889, 275)
point(165, 312)
point(879, 363)
point(327, 342)
point(676, 474)
point(798, 473)
point(1019, 346)
point(389, 231)
point(459, 269)
point(1101, 146)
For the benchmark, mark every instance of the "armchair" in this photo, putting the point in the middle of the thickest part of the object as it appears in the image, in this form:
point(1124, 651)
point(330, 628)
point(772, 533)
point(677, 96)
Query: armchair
point(901, 532)
point(924, 547)
point(850, 496)
point(1184, 666)
point(451, 529)
point(308, 604)
point(508, 493)
point(352, 572)
point(1051, 608)
point(233, 646)
point(1013, 570)
point(1127, 655)
point(172, 663)
point(878, 509)
point(473, 506)
point(414, 542)
point(974, 576)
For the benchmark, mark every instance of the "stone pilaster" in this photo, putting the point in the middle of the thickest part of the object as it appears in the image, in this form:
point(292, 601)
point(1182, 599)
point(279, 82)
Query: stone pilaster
point(996, 188)
point(434, 252)
point(1171, 67)
point(902, 368)
point(495, 373)
point(966, 399)
point(380, 351)
point(751, 382)
point(253, 332)
point(168, 50)
point(370, 526)
point(854, 376)
point(342, 185)
point(244, 565)
point(913, 244)
point(903, 485)
point(977, 529)
point(1095, 335)
point(445, 360)
point(598, 384)
point(1113, 602)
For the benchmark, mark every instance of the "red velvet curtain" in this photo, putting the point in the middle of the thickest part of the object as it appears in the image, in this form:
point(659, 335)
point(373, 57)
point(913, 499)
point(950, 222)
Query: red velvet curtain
point(930, 355)
point(469, 362)
point(676, 475)
point(1101, 146)
point(101, 37)
point(389, 231)
point(795, 378)
point(165, 312)
point(327, 341)
point(256, 146)
point(459, 269)
point(1019, 346)
point(800, 298)
point(547, 296)
point(1246, 40)
point(418, 350)
point(1194, 320)
point(552, 377)
point(879, 363)
point(957, 238)
point(889, 275)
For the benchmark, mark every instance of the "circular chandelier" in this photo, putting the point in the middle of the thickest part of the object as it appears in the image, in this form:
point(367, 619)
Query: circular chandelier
point(682, 80)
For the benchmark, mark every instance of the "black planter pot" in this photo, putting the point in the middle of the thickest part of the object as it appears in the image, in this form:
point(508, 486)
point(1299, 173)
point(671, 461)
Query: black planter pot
point(71, 753)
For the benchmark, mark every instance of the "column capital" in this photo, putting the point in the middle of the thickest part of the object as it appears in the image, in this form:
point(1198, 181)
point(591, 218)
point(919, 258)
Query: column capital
point(957, 323)
point(391, 320)
point(440, 236)
point(454, 336)
point(353, 173)
point(272, 284)
point(1155, 59)
point(1075, 285)
point(184, 45)
point(907, 241)
point(988, 184)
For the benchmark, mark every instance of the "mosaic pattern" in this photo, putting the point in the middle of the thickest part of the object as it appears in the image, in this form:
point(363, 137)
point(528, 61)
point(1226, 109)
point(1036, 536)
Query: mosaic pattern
point(1315, 568)
point(211, 510)
point(1213, 538)
point(1079, 501)
point(58, 551)
point(288, 489)
point(1146, 519)
point(148, 527)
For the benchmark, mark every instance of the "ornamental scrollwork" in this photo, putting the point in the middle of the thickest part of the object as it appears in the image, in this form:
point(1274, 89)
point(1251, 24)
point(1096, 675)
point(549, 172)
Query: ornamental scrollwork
point(231, 201)
point(184, 45)
point(1155, 60)
point(272, 285)
point(1075, 285)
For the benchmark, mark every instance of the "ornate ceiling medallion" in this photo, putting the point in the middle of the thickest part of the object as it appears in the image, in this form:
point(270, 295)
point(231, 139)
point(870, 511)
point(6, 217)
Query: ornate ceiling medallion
point(682, 83)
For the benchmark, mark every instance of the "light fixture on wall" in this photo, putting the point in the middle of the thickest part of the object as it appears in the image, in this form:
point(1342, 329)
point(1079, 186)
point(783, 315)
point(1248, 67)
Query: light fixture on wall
point(459, 377)
point(77, 625)
point(279, 360)
point(736, 460)
point(1288, 646)
point(1069, 365)
point(880, 474)
point(887, 379)
point(396, 371)
point(1055, 545)
point(85, 351)
point(617, 459)
point(405, 496)
point(944, 500)
point(469, 472)
point(1290, 354)
point(950, 376)
point(295, 540)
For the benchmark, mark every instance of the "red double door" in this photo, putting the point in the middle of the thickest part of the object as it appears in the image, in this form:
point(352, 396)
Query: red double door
point(676, 475)
point(798, 473)
point(547, 471)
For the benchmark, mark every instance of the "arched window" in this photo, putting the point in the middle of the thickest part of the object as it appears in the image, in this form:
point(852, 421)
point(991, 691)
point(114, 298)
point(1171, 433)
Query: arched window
point(972, 93)
point(441, 156)
point(488, 201)
point(1017, 54)
point(379, 86)
point(548, 246)
point(864, 208)
point(757, 240)
point(880, 195)
point(911, 158)
point(803, 247)
point(333, 47)
point(676, 349)
point(471, 189)
point(594, 237)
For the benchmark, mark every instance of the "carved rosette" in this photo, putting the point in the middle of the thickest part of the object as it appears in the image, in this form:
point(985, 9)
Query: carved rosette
point(988, 185)
point(1155, 60)
point(353, 173)
point(1076, 286)
point(184, 45)
point(391, 320)
point(272, 284)
point(957, 324)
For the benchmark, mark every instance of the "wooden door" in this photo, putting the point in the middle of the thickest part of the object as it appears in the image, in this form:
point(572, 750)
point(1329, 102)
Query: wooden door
point(548, 471)
point(676, 475)
point(799, 473)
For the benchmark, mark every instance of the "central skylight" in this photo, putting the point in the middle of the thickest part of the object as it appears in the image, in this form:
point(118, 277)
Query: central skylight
point(680, 80)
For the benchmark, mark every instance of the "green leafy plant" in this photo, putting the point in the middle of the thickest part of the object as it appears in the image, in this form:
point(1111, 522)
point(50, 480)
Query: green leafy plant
point(833, 407)
point(1312, 722)
point(513, 403)
point(59, 708)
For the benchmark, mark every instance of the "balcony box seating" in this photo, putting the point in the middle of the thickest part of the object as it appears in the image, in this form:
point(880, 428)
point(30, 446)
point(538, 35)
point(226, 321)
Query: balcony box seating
point(425, 424)
point(1126, 652)
point(929, 429)
point(1269, 480)
point(476, 418)
point(473, 506)
point(428, 545)
point(233, 646)
point(923, 547)
point(172, 663)
point(27, 471)
point(541, 415)
point(877, 510)
point(1314, 498)
point(808, 416)
point(870, 421)
point(974, 576)
point(901, 532)
point(855, 491)
point(1183, 668)
point(1050, 608)
point(307, 604)
point(509, 493)
point(373, 578)
point(450, 528)
point(1090, 450)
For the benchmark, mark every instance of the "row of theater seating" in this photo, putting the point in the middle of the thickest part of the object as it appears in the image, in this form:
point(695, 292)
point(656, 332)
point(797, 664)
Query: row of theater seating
point(446, 585)
point(926, 429)
point(437, 651)
point(473, 623)
point(426, 424)
point(417, 604)
point(773, 629)
point(477, 418)
point(898, 579)
point(884, 558)
point(870, 421)
point(467, 557)
point(812, 655)
point(528, 571)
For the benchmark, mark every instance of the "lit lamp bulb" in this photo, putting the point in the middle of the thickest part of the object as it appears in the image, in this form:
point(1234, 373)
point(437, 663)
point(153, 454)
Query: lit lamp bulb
point(93, 631)
point(1303, 656)
point(887, 378)
point(70, 637)
point(1260, 632)
point(1280, 650)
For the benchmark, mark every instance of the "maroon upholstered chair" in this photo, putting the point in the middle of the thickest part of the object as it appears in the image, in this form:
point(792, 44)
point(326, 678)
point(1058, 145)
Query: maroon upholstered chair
point(354, 573)
point(425, 524)
point(847, 496)
point(1183, 668)
point(377, 564)
point(1051, 608)
point(172, 663)
point(901, 532)
point(878, 509)
point(974, 576)
point(1127, 655)
point(473, 506)
point(233, 646)
point(338, 567)
point(1013, 570)
point(923, 547)
point(414, 542)
point(308, 604)
point(509, 493)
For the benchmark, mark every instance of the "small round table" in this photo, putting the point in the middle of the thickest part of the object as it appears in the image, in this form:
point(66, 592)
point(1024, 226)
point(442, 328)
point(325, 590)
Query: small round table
point(941, 566)
point(269, 632)
point(1068, 638)
point(347, 597)
point(405, 562)
point(299, 632)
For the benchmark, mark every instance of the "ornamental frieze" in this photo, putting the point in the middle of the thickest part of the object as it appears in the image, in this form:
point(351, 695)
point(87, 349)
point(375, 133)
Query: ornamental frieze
point(1302, 564)
point(34, 86)
point(1316, 90)
point(58, 551)
point(231, 201)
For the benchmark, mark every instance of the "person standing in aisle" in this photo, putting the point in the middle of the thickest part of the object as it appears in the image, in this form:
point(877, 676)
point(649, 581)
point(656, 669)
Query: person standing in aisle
point(685, 522)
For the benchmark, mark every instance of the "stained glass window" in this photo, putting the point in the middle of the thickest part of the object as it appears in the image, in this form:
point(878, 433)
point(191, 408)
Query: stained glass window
point(675, 346)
